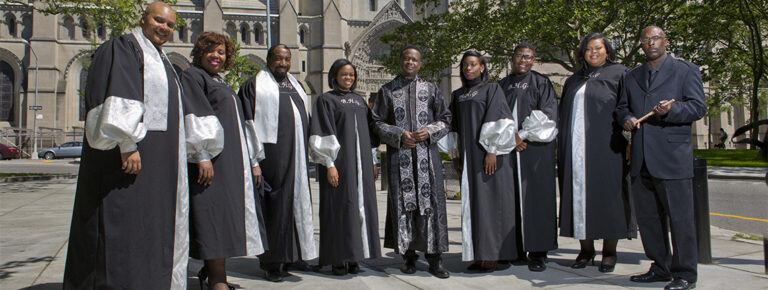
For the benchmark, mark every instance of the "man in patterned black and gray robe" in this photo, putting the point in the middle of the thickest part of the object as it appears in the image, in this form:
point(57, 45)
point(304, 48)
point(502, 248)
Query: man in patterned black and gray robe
point(410, 116)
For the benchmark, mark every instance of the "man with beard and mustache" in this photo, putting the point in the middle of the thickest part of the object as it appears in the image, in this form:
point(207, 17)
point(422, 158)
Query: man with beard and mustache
point(662, 157)
point(276, 109)
point(129, 224)
point(410, 116)
point(532, 99)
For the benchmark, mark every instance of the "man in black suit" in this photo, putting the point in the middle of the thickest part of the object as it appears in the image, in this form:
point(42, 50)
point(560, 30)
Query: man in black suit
point(662, 157)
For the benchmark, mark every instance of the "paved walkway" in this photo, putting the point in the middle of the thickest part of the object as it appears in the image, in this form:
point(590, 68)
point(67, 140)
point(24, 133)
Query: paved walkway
point(34, 225)
point(757, 173)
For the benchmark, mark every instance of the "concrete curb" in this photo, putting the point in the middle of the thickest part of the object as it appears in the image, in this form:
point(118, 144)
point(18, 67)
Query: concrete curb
point(36, 178)
point(735, 177)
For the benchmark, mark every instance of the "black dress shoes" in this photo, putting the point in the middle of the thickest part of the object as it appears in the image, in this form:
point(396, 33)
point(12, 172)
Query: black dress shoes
point(409, 267)
point(409, 264)
point(583, 259)
point(680, 284)
point(354, 268)
point(651, 276)
point(301, 265)
point(436, 266)
point(339, 270)
point(537, 264)
point(273, 276)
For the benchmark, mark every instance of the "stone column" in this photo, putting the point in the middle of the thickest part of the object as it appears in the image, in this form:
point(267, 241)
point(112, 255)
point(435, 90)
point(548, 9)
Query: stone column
point(213, 16)
point(43, 42)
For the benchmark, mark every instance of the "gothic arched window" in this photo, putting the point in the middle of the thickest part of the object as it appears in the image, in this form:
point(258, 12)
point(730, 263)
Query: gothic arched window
point(6, 91)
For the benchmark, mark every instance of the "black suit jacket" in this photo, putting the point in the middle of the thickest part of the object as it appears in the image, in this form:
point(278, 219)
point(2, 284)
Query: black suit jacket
point(663, 142)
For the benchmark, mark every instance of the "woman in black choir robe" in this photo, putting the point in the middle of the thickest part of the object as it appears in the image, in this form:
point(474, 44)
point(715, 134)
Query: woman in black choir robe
point(340, 142)
point(224, 219)
point(484, 134)
point(594, 202)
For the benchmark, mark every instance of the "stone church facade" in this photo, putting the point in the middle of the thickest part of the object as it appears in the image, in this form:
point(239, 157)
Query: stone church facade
point(317, 32)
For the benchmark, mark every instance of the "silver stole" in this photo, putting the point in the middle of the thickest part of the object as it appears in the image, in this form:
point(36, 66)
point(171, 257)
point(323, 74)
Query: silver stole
point(155, 84)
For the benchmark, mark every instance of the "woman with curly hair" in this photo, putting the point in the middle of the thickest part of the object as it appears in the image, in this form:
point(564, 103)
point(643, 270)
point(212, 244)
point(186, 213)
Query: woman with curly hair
point(223, 217)
point(594, 200)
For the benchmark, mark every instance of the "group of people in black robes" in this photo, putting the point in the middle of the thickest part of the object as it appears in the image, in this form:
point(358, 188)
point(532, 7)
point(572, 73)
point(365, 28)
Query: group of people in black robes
point(180, 165)
point(516, 133)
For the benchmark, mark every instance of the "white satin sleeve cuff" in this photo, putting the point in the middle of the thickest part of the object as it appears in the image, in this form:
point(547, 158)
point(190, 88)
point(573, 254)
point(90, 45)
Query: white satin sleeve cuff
point(116, 122)
point(205, 137)
point(324, 150)
point(538, 128)
point(498, 137)
point(449, 144)
point(255, 147)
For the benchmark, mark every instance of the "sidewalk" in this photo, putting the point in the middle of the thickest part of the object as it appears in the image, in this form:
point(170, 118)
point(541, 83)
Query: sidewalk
point(34, 226)
point(754, 173)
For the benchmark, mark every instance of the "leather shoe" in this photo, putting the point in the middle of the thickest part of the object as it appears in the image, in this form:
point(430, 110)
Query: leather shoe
point(300, 265)
point(354, 268)
point(436, 266)
point(339, 270)
point(409, 267)
point(583, 259)
point(537, 264)
point(475, 266)
point(273, 276)
point(651, 276)
point(409, 264)
point(680, 284)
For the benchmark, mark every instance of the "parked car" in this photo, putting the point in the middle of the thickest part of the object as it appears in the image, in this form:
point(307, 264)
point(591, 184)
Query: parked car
point(68, 149)
point(9, 152)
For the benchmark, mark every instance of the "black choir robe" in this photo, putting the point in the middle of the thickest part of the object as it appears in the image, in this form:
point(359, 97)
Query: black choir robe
point(594, 200)
point(484, 125)
point(537, 201)
point(416, 214)
point(123, 233)
point(279, 170)
point(224, 218)
point(340, 137)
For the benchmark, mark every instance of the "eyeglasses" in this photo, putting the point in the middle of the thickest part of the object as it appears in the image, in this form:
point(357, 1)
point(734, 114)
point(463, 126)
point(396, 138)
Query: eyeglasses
point(655, 38)
point(526, 57)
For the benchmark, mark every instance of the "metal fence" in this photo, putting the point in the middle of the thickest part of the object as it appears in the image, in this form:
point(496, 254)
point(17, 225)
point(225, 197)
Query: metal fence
point(24, 138)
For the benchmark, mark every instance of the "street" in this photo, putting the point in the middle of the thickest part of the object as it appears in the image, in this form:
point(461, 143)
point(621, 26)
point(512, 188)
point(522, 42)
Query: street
point(742, 198)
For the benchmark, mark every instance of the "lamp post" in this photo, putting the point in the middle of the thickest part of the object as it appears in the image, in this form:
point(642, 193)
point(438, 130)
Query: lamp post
point(35, 108)
point(269, 25)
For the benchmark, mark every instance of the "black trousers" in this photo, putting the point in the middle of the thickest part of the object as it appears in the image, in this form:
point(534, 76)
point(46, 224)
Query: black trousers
point(656, 201)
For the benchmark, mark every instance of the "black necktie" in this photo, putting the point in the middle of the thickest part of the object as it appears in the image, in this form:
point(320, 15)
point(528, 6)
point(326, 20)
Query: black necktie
point(651, 75)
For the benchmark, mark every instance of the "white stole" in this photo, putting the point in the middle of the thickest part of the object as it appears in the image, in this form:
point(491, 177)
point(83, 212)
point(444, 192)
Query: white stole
point(155, 84)
point(267, 104)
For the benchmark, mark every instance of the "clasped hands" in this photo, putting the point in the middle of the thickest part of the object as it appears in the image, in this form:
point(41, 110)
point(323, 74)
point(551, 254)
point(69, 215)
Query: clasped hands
point(410, 139)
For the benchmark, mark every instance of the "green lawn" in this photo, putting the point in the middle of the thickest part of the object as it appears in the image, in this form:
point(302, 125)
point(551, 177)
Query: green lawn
point(731, 158)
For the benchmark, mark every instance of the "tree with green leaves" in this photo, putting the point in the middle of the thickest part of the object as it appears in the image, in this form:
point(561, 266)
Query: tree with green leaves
point(555, 27)
point(727, 39)
point(242, 69)
point(123, 15)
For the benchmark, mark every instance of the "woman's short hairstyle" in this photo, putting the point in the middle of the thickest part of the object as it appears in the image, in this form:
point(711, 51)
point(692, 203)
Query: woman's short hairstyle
point(609, 51)
point(335, 68)
point(484, 76)
point(207, 42)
